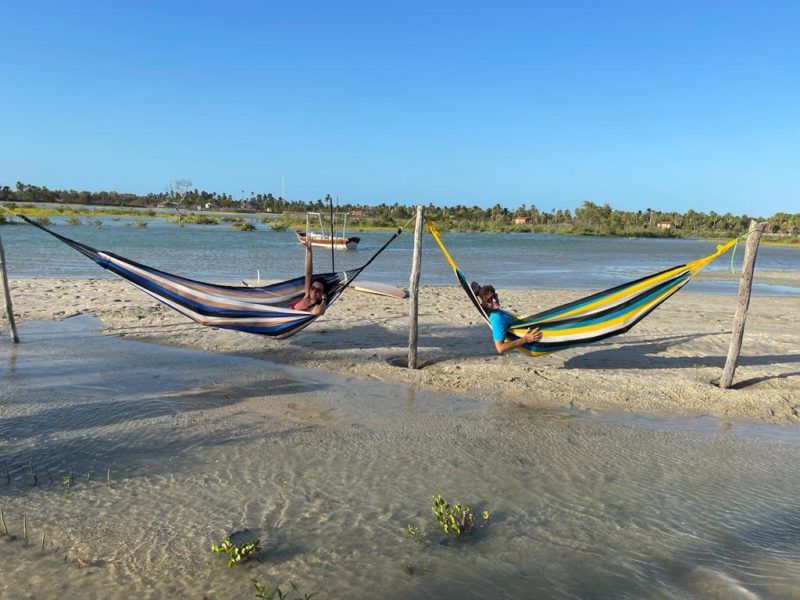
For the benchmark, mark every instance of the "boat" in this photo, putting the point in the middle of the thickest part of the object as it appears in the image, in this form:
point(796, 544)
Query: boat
point(323, 240)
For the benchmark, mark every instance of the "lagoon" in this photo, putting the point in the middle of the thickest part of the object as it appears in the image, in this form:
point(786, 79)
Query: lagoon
point(513, 261)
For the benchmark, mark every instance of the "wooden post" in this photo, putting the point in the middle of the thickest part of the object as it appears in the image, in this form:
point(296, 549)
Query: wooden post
point(7, 294)
point(745, 285)
point(413, 290)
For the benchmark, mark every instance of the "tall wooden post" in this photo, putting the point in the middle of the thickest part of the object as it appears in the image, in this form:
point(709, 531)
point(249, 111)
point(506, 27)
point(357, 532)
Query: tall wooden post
point(413, 295)
point(7, 294)
point(745, 285)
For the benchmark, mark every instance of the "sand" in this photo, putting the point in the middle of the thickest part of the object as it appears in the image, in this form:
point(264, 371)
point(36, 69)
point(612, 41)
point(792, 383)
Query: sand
point(668, 365)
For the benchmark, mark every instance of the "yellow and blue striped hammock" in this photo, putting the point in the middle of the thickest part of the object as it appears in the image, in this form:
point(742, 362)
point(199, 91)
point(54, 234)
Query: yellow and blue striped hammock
point(596, 317)
point(263, 310)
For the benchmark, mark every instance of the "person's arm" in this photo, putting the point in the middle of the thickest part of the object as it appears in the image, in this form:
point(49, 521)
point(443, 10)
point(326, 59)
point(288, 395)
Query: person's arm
point(532, 336)
point(309, 266)
point(320, 308)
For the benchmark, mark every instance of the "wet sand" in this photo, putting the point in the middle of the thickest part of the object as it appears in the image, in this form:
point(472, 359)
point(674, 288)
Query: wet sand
point(669, 364)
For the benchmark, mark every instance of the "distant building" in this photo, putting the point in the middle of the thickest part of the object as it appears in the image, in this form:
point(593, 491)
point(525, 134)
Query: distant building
point(664, 224)
point(521, 220)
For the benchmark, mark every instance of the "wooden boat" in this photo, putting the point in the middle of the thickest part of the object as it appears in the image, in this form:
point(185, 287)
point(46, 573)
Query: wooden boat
point(323, 239)
point(381, 289)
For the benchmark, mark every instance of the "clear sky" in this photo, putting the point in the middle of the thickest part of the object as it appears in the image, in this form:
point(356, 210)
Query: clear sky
point(663, 105)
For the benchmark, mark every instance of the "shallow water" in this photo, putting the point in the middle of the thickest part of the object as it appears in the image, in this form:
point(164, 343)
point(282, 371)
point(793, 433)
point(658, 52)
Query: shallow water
point(327, 471)
point(523, 261)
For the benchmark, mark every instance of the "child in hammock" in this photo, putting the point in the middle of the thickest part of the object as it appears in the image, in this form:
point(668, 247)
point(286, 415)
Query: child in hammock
point(501, 320)
point(315, 298)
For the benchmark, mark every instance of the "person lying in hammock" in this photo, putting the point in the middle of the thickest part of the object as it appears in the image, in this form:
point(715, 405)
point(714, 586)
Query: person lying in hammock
point(501, 320)
point(315, 299)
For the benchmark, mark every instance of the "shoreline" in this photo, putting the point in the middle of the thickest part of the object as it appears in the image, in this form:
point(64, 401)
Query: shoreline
point(665, 366)
point(35, 209)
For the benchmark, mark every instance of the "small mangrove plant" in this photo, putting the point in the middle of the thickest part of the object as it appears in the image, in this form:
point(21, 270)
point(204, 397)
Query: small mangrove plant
point(244, 226)
point(237, 554)
point(456, 519)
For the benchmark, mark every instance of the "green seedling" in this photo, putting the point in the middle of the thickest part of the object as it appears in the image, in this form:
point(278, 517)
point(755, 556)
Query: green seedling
point(456, 520)
point(237, 554)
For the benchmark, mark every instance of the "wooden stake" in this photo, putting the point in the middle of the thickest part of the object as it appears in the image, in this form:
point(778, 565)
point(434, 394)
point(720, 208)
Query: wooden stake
point(7, 294)
point(745, 285)
point(3, 519)
point(43, 541)
point(413, 292)
point(25, 528)
point(108, 476)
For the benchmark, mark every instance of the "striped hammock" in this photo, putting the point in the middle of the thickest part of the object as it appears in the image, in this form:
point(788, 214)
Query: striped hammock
point(263, 310)
point(596, 317)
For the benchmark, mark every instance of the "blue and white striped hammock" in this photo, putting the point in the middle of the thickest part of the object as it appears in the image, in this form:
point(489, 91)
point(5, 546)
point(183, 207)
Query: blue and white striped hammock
point(596, 317)
point(264, 310)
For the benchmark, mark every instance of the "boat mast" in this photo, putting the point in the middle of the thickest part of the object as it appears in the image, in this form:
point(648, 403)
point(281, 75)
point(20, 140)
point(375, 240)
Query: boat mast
point(333, 240)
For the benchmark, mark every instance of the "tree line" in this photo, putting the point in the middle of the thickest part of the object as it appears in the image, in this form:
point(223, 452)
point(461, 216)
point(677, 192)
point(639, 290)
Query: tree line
point(589, 219)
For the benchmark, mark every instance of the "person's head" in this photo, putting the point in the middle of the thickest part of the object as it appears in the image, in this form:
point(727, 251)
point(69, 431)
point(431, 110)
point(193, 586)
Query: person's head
point(487, 296)
point(318, 292)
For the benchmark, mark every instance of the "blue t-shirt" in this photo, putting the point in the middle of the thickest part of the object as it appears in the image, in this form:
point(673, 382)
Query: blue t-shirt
point(500, 321)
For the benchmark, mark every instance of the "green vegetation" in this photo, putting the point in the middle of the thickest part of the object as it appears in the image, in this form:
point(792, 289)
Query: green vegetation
point(266, 593)
point(456, 520)
point(588, 219)
point(73, 221)
point(194, 219)
point(244, 226)
point(284, 223)
point(237, 554)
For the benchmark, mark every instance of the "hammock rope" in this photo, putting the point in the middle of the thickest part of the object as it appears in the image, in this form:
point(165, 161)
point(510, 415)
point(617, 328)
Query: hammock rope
point(596, 317)
point(263, 310)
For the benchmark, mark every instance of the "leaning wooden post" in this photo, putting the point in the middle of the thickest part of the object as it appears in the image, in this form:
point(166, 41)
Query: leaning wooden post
point(7, 294)
point(414, 292)
point(745, 285)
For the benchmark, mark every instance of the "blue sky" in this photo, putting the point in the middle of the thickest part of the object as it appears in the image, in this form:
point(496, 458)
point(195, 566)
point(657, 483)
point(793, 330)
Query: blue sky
point(664, 105)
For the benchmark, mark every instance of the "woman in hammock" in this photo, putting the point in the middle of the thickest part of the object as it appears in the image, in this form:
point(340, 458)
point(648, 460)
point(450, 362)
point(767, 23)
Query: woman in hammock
point(501, 320)
point(315, 299)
